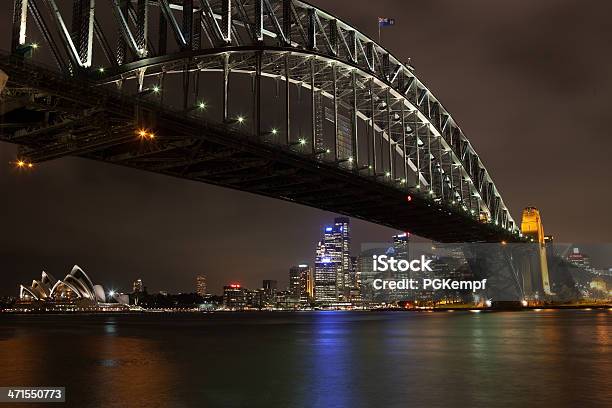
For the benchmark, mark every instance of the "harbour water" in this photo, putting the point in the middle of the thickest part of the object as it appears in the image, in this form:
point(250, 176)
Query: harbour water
point(314, 359)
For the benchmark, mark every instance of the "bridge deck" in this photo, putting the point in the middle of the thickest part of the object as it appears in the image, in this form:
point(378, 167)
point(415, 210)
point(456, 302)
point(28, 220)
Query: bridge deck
point(101, 126)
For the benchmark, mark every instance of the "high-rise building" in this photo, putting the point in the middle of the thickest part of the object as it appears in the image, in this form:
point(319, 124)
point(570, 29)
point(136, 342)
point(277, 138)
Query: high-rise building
point(270, 287)
point(579, 259)
point(401, 251)
point(234, 297)
point(201, 288)
point(333, 262)
point(326, 274)
point(138, 286)
point(299, 281)
point(355, 280)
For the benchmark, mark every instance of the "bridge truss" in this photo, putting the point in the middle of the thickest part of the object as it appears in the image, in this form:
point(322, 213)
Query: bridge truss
point(275, 97)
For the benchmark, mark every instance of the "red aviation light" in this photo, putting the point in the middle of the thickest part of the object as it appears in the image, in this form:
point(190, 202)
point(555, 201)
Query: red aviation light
point(409, 198)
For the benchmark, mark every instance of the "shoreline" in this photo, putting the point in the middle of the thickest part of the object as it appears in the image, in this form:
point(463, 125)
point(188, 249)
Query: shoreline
point(585, 307)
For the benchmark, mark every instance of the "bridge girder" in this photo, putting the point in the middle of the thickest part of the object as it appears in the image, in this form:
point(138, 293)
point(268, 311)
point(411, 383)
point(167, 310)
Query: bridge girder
point(386, 126)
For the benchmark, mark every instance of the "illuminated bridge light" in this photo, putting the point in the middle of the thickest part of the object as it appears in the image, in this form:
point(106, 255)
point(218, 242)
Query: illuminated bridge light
point(35, 46)
point(22, 164)
point(387, 174)
point(302, 142)
point(350, 159)
point(143, 134)
point(274, 131)
point(101, 69)
point(202, 105)
point(240, 119)
point(156, 89)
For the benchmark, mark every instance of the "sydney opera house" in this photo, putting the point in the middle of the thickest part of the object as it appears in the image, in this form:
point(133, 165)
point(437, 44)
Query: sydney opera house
point(75, 290)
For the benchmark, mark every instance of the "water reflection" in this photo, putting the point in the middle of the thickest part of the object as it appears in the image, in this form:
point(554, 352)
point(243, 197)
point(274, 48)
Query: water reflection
point(328, 359)
point(332, 369)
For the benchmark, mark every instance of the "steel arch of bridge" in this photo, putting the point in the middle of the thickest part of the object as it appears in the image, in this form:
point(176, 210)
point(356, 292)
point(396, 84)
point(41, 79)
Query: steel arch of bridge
point(394, 130)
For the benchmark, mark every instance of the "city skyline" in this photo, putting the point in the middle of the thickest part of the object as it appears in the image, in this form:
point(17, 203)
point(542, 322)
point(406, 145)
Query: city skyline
point(93, 223)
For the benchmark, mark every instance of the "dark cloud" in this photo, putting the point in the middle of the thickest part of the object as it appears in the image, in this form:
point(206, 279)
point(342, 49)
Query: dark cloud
point(528, 81)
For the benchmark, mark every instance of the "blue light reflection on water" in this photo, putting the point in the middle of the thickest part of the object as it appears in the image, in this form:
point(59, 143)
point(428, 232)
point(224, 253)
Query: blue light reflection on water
point(315, 360)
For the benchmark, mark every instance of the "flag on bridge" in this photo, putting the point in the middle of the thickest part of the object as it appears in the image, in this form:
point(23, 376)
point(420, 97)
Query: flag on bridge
point(385, 21)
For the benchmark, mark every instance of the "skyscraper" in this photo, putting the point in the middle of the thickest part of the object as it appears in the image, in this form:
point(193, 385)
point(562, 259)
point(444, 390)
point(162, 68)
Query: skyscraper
point(201, 288)
point(401, 252)
point(299, 282)
point(138, 286)
point(270, 287)
point(333, 262)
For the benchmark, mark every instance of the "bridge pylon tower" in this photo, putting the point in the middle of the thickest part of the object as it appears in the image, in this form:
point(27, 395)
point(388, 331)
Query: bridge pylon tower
point(535, 273)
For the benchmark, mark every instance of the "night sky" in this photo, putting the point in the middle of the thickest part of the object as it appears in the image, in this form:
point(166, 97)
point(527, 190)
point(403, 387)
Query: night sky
point(528, 82)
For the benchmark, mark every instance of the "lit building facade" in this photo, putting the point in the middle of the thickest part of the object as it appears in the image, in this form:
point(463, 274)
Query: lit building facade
point(201, 288)
point(234, 297)
point(137, 286)
point(333, 263)
point(75, 292)
point(300, 280)
point(579, 259)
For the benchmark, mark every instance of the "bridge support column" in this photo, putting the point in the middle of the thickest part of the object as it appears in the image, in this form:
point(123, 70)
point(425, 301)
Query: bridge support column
point(532, 227)
point(226, 72)
point(404, 150)
point(335, 101)
point(20, 18)
point(373, 126)
point(389, 138)
point(354, 128)
point(417, 149)
point(287, 102)
point(313, 106)
point(258, 95)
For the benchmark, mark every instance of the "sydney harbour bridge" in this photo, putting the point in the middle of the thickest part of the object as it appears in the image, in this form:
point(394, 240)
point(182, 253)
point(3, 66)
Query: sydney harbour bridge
point(273, 97)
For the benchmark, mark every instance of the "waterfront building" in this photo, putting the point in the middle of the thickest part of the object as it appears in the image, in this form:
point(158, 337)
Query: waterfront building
point(137, 286)
point(326, 274)
point(255, 299)
point(579, 259)
point(355, 286)
point(201, 288)
point(333, 262)
point(75, 292)
point(300, 277)
point(270, 287)
point(234, 297)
